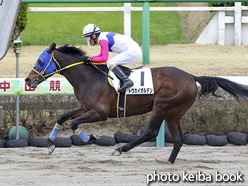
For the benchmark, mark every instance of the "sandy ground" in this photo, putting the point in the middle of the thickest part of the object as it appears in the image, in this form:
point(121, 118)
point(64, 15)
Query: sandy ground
point(94, 166)
point(211, 60)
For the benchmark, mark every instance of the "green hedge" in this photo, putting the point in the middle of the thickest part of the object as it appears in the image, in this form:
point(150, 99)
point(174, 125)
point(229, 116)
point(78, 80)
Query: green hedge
point(39, 114)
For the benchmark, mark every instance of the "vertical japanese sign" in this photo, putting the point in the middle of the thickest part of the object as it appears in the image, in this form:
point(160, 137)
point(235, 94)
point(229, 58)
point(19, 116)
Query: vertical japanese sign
point(53, 86)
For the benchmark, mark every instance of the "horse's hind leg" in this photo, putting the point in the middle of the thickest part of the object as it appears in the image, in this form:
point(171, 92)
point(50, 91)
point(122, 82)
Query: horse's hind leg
point(152, 132)
point(125, 148)
point(177, 135)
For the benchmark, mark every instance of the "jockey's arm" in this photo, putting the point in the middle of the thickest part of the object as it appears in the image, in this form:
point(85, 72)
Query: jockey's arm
point(103, 56)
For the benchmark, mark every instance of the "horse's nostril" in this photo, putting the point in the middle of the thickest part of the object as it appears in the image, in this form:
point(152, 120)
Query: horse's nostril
point(27, 80)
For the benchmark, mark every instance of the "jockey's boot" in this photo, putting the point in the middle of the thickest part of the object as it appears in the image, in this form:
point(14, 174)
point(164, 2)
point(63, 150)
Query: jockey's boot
point(123, 77)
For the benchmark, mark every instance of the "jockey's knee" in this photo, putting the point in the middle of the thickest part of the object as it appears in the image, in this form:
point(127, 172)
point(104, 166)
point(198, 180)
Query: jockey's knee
point(111, 66)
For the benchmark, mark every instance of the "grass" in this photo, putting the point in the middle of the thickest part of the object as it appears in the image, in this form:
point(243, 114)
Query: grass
point(43, 28)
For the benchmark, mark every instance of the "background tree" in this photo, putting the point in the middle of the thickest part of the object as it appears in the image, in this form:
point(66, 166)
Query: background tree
point(21, 21)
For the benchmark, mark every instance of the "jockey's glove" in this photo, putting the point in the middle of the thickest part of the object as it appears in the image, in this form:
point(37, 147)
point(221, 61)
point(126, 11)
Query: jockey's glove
point(88, 61)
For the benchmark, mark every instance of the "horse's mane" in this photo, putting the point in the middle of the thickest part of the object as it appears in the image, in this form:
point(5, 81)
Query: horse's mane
point(74, 51)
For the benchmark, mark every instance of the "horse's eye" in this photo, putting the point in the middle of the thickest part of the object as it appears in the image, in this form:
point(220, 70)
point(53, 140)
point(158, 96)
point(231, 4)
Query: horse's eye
point(40, 62)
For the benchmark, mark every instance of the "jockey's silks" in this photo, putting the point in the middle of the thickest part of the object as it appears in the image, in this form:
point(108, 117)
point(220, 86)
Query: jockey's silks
point(127, 49)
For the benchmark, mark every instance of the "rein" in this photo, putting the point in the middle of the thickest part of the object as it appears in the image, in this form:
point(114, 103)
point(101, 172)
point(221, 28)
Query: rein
point(94, 65)
point(57, 71)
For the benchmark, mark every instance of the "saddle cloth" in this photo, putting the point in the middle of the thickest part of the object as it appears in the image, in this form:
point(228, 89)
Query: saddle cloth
point(142, 79)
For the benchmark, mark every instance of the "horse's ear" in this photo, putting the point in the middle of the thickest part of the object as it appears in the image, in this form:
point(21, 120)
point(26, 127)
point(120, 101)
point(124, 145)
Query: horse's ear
point(51, 48)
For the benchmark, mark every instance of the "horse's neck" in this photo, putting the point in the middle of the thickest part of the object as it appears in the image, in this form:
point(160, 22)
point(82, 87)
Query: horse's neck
point(79, 74)
point(74, 75)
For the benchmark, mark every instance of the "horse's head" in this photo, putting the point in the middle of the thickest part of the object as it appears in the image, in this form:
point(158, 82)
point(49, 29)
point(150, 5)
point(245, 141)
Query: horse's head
point(44, 67)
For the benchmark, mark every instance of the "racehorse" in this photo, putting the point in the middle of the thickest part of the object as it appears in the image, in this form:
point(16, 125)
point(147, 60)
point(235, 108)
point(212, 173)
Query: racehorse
point(174, 93)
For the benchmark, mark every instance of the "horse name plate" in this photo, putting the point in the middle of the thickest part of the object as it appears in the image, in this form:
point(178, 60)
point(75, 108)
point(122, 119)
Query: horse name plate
point(142, 79)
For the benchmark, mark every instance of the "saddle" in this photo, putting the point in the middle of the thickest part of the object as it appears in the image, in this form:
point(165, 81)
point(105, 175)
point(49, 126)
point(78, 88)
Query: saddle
point(143, 84)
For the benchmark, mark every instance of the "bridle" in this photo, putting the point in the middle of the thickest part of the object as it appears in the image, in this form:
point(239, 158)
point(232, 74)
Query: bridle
point(42, 72)
point(58, 68)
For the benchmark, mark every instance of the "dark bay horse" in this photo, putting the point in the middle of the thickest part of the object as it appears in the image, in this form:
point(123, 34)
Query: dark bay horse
point(174, 93)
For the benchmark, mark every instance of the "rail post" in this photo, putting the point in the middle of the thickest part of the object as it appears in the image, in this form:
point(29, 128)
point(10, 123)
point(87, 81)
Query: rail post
point(160, 137)
point(127, 19)
point(17, 51)
point(146, 32)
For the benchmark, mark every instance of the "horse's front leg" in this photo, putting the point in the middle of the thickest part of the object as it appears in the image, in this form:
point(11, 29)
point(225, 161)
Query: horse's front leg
point(59, 122)
point(90, 116)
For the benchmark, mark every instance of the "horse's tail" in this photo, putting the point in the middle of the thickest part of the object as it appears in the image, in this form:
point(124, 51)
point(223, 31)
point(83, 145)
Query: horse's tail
point(210, 84)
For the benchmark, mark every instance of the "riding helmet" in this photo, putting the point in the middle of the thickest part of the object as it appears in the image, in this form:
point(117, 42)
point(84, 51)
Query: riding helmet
point(89, 30)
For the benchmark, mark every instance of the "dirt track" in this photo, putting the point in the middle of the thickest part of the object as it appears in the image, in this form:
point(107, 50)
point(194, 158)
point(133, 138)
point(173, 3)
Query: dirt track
point(212, 60)
point(94, 166)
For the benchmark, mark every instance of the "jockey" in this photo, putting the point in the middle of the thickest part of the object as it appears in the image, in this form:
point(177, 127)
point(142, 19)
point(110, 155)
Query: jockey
point(128, 51)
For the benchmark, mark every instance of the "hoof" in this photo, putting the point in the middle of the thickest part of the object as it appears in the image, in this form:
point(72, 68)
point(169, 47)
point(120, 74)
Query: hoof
point(51, 149)
point(171, 161)
point(51, 146)
point(116, 153)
